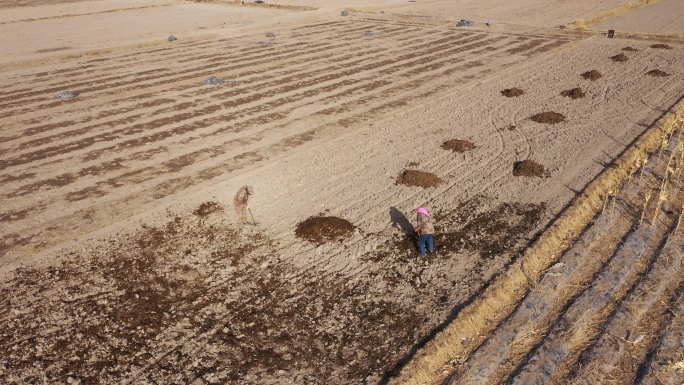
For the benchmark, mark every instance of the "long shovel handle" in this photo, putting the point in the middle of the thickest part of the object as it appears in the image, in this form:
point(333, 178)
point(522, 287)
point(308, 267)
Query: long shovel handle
point(252, 215)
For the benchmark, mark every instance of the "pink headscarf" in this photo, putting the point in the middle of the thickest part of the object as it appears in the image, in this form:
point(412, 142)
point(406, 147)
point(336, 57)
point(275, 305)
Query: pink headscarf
point(423, 210)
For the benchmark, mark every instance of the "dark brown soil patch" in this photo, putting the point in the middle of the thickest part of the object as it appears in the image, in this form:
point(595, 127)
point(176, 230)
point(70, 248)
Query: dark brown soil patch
point(207, 208)
point(619, 57)
point(592, 75)
point(419, 179)
point(548, 117)
point(661, 46)
point(574, 93)
point(511, 92)
point(657, 73)
point(630, 49)
point(323, 229)
point(528, 168)
point(490, 232)
point(117, 309)
point(457, 145)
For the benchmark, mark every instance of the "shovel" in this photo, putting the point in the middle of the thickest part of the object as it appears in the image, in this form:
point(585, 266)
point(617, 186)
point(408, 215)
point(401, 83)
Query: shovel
point(252, 215)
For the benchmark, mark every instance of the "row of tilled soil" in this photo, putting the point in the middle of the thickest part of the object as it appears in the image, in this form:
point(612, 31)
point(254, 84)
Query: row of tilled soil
point(261, 113)
point(610, 288)
point(627, 299)
point(548, 335)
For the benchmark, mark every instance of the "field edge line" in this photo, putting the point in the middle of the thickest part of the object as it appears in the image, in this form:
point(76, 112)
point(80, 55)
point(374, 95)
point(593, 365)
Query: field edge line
point(441, 356)
point(582, 23)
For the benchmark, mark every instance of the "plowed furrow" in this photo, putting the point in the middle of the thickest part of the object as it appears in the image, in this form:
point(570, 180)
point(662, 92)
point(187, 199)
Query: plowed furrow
point(19, 100)
point(117, 182)
point(179, 107)
point(184, 182)
point(259, 73)
point(171, 54)
point(665, 364)
point(199, 90)
point(86, 142)
point(634, 330)
point(558, 355)
point(510, 344)
point(90, 85)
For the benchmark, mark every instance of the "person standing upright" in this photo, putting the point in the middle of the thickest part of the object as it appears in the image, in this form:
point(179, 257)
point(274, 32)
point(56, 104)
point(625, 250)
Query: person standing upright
point(241, 205)
point(426, 229)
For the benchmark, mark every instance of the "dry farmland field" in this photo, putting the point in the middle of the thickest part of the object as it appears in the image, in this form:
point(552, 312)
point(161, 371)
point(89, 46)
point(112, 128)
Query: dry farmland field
point(551, 157)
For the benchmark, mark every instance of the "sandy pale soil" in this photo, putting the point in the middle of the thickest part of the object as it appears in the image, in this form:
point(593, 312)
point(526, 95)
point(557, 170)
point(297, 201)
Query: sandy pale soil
point(537, 14)
point(93, 27)
point(119, 243)
point(661, 18)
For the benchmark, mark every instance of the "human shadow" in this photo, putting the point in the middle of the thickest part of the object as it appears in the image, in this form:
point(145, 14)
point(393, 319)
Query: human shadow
point(402, 223)
point(456, 310)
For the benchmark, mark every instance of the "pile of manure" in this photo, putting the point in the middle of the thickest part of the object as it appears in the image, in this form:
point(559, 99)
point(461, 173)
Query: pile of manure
point(528, 168)
point(320, 229)
point(619, 57)
point(549, 117)
point(574, 93)
point(592, 75)
point(457, 145)
point(657, 73)
point(511, 92)
point(419, 179)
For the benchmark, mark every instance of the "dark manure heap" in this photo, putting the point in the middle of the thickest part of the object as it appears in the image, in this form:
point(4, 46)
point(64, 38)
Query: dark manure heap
point(528, 168)
point(661, 46)
point(619, 57)
point(457, 145)
point(657, 73)
point(630, 49)
point(419, 179)
point(549, 117)
point(323, 229)
point(592, 75)
point(512, 92)
point(574, 93)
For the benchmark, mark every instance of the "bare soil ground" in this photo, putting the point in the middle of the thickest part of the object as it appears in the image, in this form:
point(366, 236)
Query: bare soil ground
point(602, 312)
point(121, 263)
point(666, 12)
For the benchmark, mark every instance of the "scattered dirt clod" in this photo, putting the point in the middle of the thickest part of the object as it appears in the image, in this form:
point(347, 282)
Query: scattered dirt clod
point(657, 73)
point(592, 75)
point(528, 168)
point(323, 229)
point(457, 145)
point(511, 92)
point(574, 93)
point(629, 49)
point(419, 179)
point(661, 46)
point(548, 117)
point(619, 57)
point(207, 208)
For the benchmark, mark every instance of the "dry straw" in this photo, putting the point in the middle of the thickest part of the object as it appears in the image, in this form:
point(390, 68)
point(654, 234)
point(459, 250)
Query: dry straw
point(451, 347)
point(643, 211)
